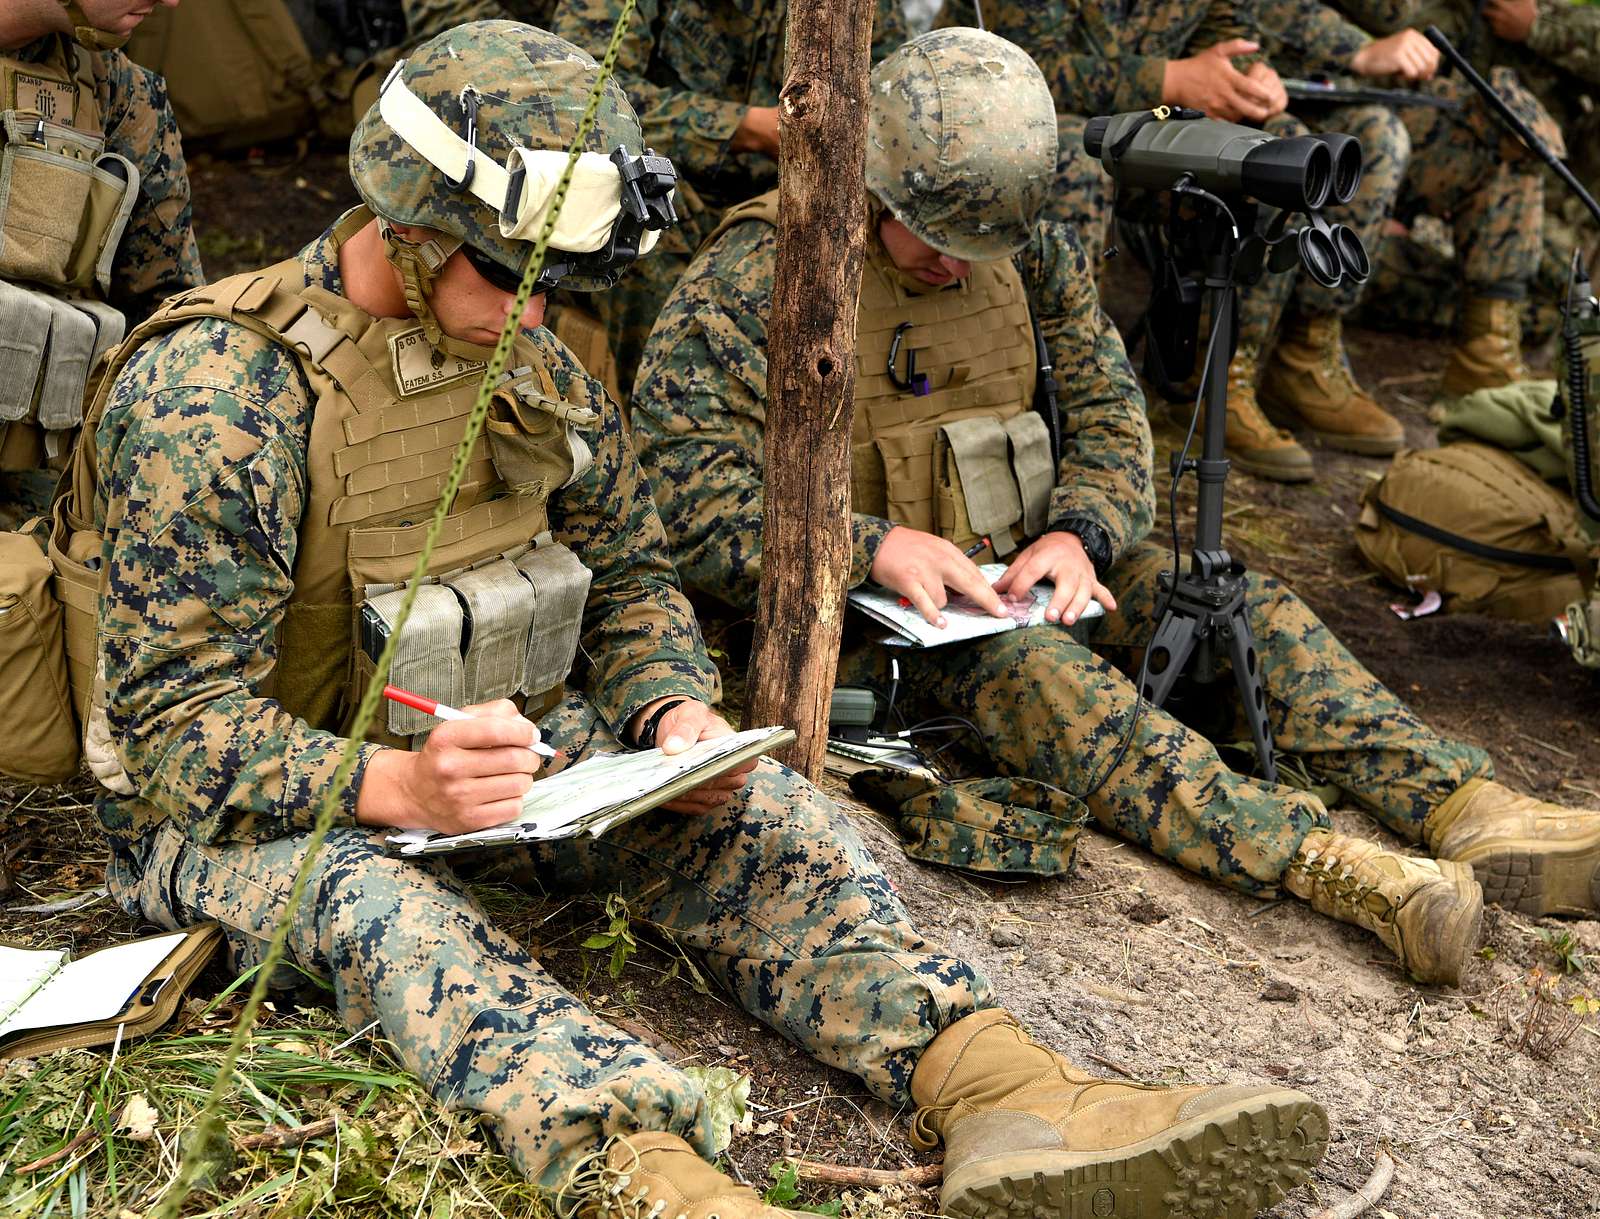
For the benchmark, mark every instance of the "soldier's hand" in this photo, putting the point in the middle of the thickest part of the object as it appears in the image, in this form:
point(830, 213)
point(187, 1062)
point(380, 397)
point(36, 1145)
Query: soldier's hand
point(470, 775)
point(681, 727)
point(1209, 81)
point(1265, 75)
point(1059, 557)
point(1407, 55)
point(1511, 19)
point(922, 567)
point(757, 132)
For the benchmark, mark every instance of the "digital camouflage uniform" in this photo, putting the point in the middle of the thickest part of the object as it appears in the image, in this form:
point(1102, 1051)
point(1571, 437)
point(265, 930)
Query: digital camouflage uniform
point(1051, 703)
point(1560, 65)
point(1462, 166)
point(201, 446)
point(692, 68)
point(1102, 60)
point(157, 255)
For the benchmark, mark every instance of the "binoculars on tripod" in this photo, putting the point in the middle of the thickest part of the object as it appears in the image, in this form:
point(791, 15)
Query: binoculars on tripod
point(1173, 148)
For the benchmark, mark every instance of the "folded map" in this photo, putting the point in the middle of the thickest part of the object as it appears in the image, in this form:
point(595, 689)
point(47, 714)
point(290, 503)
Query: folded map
point(963, 617)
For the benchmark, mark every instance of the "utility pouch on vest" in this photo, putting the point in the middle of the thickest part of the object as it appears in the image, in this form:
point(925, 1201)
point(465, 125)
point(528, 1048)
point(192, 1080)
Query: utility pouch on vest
point(497, 606)
point(40, 741)
point(1474, 524)
point(49, 346)
point(75, 556)
point(991, 477)
point(534, 440)
point(427, 656)
point(560, 584)
point(64, 202)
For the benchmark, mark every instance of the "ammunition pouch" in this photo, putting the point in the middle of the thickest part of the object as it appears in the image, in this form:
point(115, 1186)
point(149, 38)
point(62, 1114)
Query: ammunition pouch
point(49, 347)
point(993, 478)
point(1583, 632)
point(506, 627)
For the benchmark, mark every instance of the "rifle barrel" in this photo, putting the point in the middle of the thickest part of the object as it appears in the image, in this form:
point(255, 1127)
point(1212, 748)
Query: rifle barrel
point(1503, 112)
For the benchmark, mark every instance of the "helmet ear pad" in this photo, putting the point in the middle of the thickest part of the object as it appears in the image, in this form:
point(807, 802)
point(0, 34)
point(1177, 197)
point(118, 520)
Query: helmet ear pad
point(962, 142)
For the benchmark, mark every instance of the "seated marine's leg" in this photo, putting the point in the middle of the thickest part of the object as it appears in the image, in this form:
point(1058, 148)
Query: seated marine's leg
point(1496, 205)
point(790, 911)
point(1308, 377)
point(1323, 705)
point(470, 1012)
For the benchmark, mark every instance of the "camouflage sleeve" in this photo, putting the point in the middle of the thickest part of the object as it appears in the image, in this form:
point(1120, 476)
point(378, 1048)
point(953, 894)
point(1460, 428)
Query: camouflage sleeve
point(1106, 464)
point(158, 255)
point(425, 18)
point(640, 639)
point(1568, 35)
point(693, 128)
point(1380, 17)
point(1308, 36)
point(699, 413)
point(1087, 73)
point(201, 489)
point(1222, 20)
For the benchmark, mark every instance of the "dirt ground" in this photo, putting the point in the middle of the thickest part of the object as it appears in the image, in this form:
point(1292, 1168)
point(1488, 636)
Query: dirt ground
point(1488, 1097)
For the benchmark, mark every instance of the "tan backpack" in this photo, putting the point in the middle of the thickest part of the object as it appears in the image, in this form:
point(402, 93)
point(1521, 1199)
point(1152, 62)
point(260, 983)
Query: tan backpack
point(1476, 525)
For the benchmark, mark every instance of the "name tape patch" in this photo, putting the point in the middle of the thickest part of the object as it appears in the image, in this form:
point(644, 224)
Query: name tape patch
point(419, 367)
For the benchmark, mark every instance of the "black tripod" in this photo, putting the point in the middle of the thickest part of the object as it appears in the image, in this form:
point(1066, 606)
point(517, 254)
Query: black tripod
point(1205, 615)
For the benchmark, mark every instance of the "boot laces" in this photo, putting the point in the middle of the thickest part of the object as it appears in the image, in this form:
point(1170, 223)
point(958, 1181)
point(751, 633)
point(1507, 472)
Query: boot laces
point(593, 1182)
point(1340, 882)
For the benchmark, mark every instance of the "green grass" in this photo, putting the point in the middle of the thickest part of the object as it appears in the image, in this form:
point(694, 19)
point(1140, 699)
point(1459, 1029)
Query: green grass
point(394, 1151)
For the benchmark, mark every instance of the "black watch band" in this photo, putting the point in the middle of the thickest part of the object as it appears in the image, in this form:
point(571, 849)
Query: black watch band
point(1096, 542)
point(648, 729)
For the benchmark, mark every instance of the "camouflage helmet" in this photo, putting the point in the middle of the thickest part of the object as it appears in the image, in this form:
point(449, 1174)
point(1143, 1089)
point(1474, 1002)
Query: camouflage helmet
point(469, 136)
point(961, 142)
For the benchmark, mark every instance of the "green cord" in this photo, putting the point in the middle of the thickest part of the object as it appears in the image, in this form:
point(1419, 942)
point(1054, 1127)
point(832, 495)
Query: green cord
point(205, 1126)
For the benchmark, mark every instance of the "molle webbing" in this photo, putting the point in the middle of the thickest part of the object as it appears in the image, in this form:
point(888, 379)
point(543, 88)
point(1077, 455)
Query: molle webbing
point(377, 461)
point(974, 343)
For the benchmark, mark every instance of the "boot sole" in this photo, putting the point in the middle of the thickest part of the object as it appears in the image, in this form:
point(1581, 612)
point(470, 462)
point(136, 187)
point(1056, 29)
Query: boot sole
point(1533, 879)
point(1278, 474)
point(1226, 1165)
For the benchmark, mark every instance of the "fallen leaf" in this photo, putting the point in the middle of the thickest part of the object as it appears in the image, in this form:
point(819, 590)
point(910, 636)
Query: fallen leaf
point(138, 1119)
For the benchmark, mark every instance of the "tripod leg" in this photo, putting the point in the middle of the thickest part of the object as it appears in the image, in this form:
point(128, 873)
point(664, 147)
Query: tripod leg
point(1247, 673)
point(1176, 636)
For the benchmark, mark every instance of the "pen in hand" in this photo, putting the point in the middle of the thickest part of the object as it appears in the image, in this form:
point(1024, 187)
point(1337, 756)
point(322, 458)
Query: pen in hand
point(971, 552)
point(443, 711)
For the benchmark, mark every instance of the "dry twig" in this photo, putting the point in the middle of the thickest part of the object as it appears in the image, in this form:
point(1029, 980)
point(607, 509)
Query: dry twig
point(55, 1157)
point(1368, 1195)
point(919, 1175)
point(286, 1136)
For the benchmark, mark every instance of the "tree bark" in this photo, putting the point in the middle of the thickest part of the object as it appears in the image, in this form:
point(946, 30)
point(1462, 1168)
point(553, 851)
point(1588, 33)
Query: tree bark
point(811, 341)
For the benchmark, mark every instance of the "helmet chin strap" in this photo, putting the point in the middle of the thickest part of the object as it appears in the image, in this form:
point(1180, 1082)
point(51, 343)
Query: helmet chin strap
point(419, 264)
point(87, 35)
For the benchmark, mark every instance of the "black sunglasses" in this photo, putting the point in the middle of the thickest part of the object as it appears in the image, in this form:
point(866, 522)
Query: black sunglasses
point(504, 279)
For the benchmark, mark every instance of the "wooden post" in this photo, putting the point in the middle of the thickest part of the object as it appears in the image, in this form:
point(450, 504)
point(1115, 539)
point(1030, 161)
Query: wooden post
point(811, 340)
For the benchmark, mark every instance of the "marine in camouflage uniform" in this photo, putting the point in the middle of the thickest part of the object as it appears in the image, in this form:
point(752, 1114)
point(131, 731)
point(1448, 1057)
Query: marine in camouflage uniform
point(156, 256)
point(1050, 702)
point(1559, 61)
point(210, 482)
point(1104, 58)
point(694, 70)
point(1464, 168)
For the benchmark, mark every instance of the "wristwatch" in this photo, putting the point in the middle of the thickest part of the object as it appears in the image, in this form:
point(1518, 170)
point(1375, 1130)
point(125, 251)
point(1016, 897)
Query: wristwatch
point(647, 731)
point(1096, 542)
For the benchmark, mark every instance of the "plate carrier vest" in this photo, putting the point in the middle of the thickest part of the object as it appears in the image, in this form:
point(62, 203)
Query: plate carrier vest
point(501, 606)
point(64, 203)
point(961, 453)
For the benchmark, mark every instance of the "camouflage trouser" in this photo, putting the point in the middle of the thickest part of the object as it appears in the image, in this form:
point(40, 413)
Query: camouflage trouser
point(1414, 278)
point(1463, 170)
point(1052, 705)
point(776, 892)
point(1385, 151)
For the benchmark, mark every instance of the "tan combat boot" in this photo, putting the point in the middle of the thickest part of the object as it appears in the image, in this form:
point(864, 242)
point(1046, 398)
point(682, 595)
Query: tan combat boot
point(655, 1175)
point(1027, 1133)
point(1530, 855)
point(1488, 351)
point(1253, 444)
point(1309, 379)
point(1428, 912)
